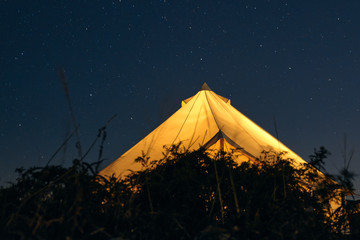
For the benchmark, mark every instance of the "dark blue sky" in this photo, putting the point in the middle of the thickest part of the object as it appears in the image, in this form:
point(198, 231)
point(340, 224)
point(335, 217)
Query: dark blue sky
point(297, 62)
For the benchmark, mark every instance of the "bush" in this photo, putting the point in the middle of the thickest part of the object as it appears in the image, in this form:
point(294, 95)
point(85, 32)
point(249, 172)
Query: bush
point(187, 195)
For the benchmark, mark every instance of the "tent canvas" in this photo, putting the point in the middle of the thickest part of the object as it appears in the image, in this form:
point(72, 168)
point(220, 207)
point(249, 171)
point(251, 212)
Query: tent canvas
point(204, 120)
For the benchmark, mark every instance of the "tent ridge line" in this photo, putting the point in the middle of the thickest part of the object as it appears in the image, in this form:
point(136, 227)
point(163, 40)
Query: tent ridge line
point(187, 116)
point(212, 113)
point(239, 125)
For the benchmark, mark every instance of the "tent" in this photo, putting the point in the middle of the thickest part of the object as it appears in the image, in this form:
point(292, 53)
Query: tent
point(204, 120)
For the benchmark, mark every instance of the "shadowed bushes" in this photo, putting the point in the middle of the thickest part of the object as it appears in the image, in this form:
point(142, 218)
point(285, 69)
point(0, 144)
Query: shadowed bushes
point(188, 195)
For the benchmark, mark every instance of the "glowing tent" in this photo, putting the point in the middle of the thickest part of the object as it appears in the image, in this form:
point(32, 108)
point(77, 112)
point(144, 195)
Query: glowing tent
point(206, 120)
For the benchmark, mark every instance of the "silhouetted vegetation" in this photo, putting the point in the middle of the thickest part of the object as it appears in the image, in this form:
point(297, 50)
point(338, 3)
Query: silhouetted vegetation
point(188, 195)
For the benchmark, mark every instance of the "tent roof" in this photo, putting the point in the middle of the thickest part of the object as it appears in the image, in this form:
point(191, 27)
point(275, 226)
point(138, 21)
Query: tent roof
point(205, 87)
point(202, 120)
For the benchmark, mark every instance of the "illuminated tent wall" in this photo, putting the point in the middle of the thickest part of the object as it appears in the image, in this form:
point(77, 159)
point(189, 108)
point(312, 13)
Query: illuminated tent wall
point(207, 120)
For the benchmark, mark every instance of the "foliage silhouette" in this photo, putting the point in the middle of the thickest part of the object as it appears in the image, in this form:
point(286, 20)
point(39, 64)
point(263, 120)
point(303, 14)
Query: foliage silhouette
point(317, 159)
point(177, 197)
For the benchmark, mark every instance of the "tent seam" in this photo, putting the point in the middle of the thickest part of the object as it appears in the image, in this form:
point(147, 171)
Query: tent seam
point(212, 113)
point(242, 127)
point(177, 135)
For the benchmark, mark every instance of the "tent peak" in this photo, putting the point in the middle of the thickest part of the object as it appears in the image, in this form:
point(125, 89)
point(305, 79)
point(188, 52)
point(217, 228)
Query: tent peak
point(205, 87)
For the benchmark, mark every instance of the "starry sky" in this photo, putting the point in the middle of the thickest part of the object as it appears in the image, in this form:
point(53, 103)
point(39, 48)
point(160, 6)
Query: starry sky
point(293, 63)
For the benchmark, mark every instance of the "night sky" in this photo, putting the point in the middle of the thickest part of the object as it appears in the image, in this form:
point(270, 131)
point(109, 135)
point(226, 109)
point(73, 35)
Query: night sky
point(296, 63)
